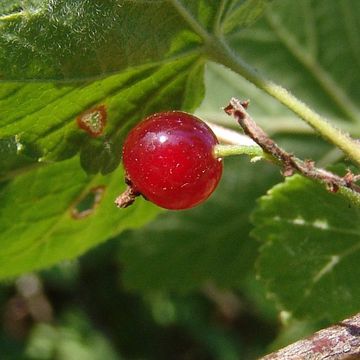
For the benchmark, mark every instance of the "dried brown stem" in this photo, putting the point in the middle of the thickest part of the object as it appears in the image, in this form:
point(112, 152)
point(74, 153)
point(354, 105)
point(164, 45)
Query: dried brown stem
point(340, 342)
point(289, 162)
point(127, 197)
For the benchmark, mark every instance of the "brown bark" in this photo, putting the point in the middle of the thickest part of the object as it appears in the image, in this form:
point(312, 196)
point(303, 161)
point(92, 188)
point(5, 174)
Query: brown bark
point(338, 342)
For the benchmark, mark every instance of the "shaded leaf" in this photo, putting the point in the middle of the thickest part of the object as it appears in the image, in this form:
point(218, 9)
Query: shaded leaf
point(10, 149)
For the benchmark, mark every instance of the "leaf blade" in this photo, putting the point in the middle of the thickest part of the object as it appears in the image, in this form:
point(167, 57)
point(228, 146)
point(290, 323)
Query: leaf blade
point(48, 129)
point(311, 242)
point(97, 38)
point(38, 224)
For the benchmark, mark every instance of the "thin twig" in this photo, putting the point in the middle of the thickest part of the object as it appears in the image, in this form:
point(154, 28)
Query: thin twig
point(289, 162)
point(338, 342)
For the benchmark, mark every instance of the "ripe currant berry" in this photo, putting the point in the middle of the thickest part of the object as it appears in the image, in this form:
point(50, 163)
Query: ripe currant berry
point(168, 158)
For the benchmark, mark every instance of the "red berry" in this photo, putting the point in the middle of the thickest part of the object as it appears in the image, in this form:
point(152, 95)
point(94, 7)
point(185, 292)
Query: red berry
point(169, 159)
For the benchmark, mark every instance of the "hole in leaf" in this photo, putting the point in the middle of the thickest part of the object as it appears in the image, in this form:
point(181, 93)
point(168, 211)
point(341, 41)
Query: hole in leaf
point(87, 204)
point(93, 121)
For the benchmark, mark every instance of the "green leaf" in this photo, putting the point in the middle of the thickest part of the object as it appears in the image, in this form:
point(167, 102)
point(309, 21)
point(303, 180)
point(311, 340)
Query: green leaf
point(57, 212)
point(72, 40)
point(310, 256)
point(46, 118)
point(182, 250)
point(246, 14)
point(312, 48)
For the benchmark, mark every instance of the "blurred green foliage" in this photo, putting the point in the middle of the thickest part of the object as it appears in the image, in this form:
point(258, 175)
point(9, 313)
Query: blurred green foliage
point(94, 317)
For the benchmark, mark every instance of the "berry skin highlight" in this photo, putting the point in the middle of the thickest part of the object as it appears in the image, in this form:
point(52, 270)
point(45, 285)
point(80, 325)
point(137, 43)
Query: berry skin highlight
point(169, 159)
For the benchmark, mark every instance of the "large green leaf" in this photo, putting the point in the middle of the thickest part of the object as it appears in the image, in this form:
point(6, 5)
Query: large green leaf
point(57, 212)
point(182, 250)
point(310, 256)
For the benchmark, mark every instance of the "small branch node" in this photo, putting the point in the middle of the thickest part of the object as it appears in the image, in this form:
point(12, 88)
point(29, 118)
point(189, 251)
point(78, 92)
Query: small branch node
point(245, 103)
point(288, 170)
point(332, 187)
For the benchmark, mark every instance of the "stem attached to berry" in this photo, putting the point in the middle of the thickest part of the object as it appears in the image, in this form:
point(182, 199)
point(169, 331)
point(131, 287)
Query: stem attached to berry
point(229, 150)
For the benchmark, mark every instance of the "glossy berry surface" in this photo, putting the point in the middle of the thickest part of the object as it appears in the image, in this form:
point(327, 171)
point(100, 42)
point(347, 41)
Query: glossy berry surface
point(168, 158)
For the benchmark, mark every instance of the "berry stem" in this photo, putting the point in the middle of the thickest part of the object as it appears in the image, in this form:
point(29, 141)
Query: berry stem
point(221, 151)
